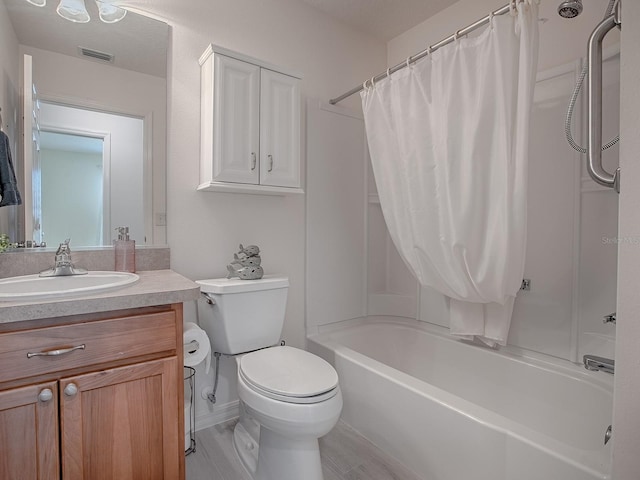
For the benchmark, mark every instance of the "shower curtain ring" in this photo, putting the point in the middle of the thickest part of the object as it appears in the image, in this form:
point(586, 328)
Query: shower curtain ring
point(388, 72)
point(372, 81)
point(491, 15)
point(409, 61)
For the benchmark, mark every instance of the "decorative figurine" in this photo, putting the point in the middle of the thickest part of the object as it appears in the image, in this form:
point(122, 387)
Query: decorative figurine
point(246, 261)
point(246, 264)
point(250, 251)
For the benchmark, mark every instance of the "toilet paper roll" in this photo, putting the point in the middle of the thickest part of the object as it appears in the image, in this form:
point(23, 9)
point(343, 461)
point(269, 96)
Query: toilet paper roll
point(197, 347)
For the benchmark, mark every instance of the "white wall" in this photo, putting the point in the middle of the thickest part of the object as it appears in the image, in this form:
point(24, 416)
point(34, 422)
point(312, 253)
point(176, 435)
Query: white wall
point(336, 253)
point(9, 103)
point(204, 228)
point(543, 317)
point(599, 234)
point(626, 420)
point(561, 40)
point(104, 87)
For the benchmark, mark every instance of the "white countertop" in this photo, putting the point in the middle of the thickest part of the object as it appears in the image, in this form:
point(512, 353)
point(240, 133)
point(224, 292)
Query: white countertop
point(155, 287)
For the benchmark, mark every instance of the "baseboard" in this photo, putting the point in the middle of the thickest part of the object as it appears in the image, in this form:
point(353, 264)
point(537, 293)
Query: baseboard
point(220, 414)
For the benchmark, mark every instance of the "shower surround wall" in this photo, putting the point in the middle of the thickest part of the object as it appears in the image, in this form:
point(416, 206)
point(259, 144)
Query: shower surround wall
point(561, 42)
point(572, 223)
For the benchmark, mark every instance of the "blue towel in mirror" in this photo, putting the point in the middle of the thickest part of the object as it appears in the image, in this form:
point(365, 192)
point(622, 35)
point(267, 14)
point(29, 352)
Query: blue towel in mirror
point(8, 184)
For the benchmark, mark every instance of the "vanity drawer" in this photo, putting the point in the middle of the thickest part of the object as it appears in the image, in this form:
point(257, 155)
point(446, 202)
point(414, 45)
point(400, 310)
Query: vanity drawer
point(104, 341)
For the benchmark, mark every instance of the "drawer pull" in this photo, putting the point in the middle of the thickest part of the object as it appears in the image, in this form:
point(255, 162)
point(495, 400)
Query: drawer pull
point(55, 353)
point(45, 395)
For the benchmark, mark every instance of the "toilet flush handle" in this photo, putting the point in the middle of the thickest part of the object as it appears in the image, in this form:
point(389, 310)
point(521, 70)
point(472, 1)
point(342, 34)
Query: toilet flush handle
point(209, 299)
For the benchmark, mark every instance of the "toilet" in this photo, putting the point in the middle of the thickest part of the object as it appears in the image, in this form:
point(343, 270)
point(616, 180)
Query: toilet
point(288, 397)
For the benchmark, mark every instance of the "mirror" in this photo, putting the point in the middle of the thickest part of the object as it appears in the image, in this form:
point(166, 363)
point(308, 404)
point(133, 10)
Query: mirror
point(117, 69)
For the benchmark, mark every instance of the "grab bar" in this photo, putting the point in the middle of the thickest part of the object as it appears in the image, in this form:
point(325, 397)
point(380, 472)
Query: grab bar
point(594, 111)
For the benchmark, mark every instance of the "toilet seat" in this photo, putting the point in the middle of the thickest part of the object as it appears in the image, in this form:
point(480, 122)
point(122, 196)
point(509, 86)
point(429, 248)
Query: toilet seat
point(289, 375)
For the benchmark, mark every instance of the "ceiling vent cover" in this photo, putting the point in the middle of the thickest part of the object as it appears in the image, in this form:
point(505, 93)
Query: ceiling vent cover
point(96, 55)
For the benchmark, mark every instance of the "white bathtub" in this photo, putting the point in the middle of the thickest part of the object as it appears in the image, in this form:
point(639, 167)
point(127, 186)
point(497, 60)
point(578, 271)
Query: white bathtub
point(453, 411)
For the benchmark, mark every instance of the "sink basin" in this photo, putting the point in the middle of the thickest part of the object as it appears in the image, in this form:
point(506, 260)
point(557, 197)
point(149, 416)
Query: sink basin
point(33, 287)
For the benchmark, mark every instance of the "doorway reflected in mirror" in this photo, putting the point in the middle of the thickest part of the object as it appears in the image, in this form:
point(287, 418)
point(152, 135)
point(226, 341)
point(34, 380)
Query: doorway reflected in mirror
point(75, 212)
point(91, 169)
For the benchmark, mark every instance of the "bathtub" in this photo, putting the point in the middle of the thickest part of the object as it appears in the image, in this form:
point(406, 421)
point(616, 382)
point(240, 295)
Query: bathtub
point(450, 410)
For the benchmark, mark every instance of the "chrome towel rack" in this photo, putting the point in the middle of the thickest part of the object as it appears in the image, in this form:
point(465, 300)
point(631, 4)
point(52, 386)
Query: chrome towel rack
point(594, 109)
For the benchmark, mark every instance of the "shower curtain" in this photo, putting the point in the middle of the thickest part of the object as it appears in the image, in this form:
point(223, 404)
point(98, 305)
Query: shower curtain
point(448, 141)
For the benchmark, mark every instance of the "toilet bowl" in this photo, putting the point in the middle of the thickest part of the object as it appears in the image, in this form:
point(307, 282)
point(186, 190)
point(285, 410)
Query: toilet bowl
point(294, 397)
point(288, 397)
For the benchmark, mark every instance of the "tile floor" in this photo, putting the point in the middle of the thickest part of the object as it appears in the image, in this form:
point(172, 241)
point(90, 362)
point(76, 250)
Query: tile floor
point(346, 455)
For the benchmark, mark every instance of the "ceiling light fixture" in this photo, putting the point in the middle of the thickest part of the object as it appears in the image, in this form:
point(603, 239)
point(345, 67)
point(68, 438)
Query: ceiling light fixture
point(109, 13)
point(76, 11)
point(73, 10)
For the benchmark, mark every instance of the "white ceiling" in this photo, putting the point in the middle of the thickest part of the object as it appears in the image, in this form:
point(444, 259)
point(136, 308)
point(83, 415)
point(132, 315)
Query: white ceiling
point(138, 43)
point(384, 19)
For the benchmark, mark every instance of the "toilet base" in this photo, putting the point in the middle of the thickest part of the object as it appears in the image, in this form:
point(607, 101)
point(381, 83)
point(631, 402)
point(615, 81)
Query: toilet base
point(277, 457)
point(246, 448)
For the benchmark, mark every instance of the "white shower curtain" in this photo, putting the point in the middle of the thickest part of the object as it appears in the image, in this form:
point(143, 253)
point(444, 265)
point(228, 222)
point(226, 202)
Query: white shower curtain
point(448, 142)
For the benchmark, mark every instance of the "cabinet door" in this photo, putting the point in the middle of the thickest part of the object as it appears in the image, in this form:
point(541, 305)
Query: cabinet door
point(29, 433)
point(122, 423)
point(279, 130)
point(235, 125)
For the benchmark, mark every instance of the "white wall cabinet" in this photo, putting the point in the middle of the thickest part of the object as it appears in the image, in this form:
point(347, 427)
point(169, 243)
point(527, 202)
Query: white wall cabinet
point(250, 121)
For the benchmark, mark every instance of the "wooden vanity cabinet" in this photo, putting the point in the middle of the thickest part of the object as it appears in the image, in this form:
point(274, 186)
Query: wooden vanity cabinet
point(29, 432)
point(109, 410)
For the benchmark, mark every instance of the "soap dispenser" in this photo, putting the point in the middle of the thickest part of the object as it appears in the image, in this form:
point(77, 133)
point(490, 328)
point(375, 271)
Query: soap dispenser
point(125, 251)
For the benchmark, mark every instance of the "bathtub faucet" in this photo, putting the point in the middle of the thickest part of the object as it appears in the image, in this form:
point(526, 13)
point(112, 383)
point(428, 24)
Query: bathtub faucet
point(591, 362)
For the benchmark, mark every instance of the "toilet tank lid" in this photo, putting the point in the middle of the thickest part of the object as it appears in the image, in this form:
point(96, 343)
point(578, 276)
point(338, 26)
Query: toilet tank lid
point(235, 285)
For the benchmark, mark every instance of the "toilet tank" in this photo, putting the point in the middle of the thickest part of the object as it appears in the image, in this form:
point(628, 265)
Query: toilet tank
point(245, 315)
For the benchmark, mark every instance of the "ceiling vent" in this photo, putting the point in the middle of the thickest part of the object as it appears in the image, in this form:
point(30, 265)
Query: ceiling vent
point(96, 55)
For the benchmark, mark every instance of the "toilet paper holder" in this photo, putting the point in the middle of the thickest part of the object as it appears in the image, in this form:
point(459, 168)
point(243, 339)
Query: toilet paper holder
point(190, 413)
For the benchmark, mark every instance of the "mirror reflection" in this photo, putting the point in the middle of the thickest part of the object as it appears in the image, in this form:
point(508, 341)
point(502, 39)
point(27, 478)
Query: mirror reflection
point(99, 157)
point(80, 71)
point(67, 157)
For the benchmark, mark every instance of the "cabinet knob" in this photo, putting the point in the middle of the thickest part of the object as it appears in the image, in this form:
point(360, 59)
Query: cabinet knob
point(45, 395)
point(253, 160)
point(270, 157)
point(70, 390)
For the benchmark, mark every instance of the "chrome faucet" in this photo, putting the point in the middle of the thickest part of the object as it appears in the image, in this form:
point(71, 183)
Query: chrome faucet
point(594, 363)
point(63, 266)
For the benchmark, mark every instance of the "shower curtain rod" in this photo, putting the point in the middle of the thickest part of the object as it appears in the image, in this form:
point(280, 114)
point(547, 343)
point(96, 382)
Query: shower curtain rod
point(412, 59)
